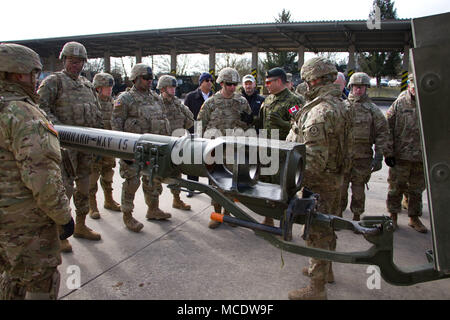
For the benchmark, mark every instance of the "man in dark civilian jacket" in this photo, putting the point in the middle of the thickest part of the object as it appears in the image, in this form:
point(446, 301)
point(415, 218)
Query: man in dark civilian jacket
point(250, 93)
point(194, 101)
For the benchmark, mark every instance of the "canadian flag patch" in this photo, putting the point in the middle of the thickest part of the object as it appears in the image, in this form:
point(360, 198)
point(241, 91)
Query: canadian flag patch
point(293, 109)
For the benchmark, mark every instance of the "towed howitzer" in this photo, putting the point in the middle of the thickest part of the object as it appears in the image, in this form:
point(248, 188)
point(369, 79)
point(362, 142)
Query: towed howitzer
point(167, 157)
point(160, 156)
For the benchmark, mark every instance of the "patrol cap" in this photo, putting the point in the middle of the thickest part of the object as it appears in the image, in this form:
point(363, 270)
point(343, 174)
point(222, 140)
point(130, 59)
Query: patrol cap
point(248, 77)
point(103, 79)
point(277, 73)
point(16, 58)
point(166, 81)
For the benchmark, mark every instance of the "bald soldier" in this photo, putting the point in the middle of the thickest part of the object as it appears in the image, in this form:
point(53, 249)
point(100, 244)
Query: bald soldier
point(180, 119)
point(69, 98)
point(32, 196)
point(139, 110)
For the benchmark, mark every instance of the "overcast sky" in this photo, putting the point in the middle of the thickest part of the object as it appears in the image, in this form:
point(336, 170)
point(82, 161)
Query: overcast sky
point(45, 19)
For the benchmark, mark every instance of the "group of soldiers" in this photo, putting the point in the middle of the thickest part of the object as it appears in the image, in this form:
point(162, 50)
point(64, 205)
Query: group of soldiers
point(39, 178)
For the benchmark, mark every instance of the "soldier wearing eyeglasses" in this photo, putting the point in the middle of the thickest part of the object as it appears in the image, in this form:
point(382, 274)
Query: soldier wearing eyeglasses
point(139, 110)
point(225, 110)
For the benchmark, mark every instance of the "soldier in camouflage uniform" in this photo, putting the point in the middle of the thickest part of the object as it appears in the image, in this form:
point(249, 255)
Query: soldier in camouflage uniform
point(102, 166)
point(32, 196)
point(324, 126)
point(406, 173)
point(139, 110)
point(225, 110)
point(180, 118)
point(276, 113)
point(369, 128)
point(69, 98)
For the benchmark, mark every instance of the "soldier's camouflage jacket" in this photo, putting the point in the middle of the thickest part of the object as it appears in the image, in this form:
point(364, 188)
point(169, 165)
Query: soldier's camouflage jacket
point(179, 116)
point(369, 127)
point(220, 113)
point(324, 126)
point(280, 103)
point(404, 128)
point(139, 112)
point(31, 188)
point(106, 108)
point(70, 101)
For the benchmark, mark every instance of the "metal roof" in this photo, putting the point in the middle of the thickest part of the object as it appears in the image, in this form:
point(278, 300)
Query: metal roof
point(316, 36)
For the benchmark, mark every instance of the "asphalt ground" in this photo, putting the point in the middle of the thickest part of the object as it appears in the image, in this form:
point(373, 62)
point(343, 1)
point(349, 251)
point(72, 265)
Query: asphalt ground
point(182, 259)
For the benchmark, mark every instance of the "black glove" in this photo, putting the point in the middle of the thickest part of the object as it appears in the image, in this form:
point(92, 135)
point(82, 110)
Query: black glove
point(377, 162)
point(67, 230)
point(390, 161)
point(276, 122)
point(247, 118)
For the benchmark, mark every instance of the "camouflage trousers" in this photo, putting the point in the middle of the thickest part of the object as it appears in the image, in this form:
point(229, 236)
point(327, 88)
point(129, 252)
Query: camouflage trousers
point(29, 259)
point(407, 178)
point(132, 176)
point(102, 167)
point(328, 186)
point(358, 177)
point(76, 167)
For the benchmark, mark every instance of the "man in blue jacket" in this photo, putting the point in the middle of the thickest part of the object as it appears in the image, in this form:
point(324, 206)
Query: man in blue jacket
point(194, 101)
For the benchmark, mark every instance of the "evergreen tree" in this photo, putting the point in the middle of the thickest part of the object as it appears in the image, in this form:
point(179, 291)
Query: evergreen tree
point(381, 64)
point(282, 59)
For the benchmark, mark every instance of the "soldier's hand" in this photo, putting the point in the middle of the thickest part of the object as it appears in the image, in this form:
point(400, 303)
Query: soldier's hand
point(390, 161)
point(275, 121)
point(377, 162)
point(67, 230)
point(247, 118)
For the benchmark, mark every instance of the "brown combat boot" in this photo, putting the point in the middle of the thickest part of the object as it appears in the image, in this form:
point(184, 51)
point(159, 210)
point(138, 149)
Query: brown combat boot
point(268, 222)
point(109, 201)
point(330, 277)
point(93, 210)
point(394, 220)
point(154, 213)
point(416, 224)
point(213, 224)
point(179, 204)
point(82, 231)
point(65, 246)
point(314, 291)
point(131, 223)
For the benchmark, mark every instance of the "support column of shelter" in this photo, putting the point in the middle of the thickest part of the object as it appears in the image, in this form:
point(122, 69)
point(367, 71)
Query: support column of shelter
point(301, 57)
point(405, 68)
point(138, 55)
point(255, 63)
point(173, 62)
point(212, 67)
point(107, 62)
point(351, 61)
